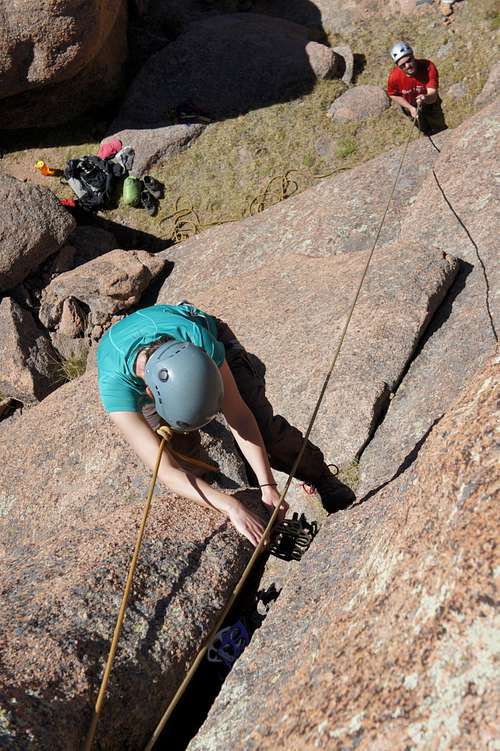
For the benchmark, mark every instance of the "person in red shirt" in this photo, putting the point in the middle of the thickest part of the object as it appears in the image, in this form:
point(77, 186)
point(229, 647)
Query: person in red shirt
point(413, 84)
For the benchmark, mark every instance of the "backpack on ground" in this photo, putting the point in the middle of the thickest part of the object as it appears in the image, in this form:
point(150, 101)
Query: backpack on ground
point(92, 178)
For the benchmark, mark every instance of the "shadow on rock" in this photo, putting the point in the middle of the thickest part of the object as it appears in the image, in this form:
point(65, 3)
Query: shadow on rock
point(127, 238)
point(192, 563)
point(224, 66)
point(405, 464)
point(359, 65)
point(90, 127)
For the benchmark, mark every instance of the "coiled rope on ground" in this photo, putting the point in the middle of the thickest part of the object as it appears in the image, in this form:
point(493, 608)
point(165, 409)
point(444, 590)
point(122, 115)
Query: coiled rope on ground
point(185, 218)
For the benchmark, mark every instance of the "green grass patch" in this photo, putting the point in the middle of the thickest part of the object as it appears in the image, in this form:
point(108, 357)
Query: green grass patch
point(233, 161)
point(350, 475)
point(345, 147)
point(495, 22)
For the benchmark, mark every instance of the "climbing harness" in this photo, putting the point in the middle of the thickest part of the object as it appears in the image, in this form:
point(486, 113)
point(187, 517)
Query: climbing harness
point(165, 434)
point(293, 537)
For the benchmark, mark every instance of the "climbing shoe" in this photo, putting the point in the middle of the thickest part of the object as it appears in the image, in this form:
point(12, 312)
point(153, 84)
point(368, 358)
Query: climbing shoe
point(155, 187)
point(334, 494)
point(149, 202)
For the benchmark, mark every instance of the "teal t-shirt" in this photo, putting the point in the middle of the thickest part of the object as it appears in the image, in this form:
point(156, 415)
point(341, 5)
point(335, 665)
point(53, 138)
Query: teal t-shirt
point(119, 388)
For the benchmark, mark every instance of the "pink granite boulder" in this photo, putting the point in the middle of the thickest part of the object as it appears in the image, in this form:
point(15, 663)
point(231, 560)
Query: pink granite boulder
point(385, 636)
point(359, 103)
point(49, 51)
point(33, 226)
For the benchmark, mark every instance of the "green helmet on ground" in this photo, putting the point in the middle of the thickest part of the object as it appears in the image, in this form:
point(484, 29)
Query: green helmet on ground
point(186, 385)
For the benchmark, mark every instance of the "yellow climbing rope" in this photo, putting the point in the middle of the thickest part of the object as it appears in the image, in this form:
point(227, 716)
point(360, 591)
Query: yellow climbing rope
point(178, 694)
point(185, 218)
point(165, 434)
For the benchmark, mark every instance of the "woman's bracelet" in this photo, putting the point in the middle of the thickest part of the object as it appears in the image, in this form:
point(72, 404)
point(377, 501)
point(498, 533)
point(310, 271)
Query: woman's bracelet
point(269, 485)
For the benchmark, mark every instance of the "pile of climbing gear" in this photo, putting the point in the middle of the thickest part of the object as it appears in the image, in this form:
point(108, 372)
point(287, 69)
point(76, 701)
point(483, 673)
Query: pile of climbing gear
point(92, 179)
point(95, 180)
point(145, 192)
point(293, 537)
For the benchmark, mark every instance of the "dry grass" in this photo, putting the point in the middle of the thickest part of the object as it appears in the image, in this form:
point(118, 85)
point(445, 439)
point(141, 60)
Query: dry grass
point(350, 475)
point(68, 368)
point(233, 161)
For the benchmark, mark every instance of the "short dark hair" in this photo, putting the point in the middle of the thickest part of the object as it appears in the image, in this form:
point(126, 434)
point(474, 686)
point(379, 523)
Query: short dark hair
point(151, 348)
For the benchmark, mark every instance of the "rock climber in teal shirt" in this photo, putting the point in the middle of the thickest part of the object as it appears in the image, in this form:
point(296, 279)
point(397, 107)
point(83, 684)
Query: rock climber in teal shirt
point(121, 390)
point(141, 367)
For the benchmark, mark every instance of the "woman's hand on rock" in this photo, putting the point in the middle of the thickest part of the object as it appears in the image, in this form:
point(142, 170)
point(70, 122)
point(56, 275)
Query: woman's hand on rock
point(270, 499)
point(247, 523)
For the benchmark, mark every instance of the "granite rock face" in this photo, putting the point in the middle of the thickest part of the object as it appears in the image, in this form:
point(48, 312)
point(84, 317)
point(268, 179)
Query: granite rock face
point(33, 226)
point(70, 504)
point(456, 212)
point(385, 638)
point(310, 298)
point(359, 103)
point(28, 358)
point(152, 144)
point(339, 214)
point(50, 50)
point(491, 88)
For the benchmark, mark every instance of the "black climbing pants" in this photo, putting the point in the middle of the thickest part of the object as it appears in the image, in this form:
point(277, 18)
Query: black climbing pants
point(430, 119)
point(282, 440)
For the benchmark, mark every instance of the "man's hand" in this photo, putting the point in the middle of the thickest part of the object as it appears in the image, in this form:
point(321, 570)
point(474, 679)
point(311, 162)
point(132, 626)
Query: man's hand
point(247, 523)
point(413, 111)
point(270, 499)
point(421, 99)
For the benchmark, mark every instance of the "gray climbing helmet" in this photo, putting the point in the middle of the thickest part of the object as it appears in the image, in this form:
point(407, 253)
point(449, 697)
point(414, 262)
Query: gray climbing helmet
point(186, 385)
point(399, 50)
